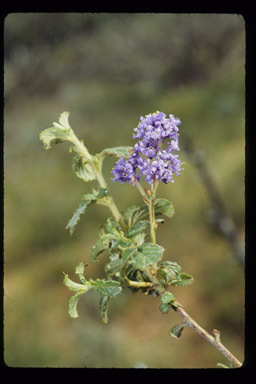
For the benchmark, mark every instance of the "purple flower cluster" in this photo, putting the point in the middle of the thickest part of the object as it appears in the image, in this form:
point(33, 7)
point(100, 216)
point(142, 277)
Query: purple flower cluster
point(152, 155)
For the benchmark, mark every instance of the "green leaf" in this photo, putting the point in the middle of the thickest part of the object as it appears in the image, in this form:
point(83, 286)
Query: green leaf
point(177, 330)
point(183, 279)
point(101, 193)
point(164, 308)
point(80, 289)
point(163, 207)
point(167, 300)
point(140, 227)
point(86, 201)
point(167, 297)
point(148, 253)
point(63, 120)
point(82, 169)
point(72, 305)
point(72, 286)
point(134, 214)
point(80, 273)
point(127, 254)
point(58, 133)
point(113, 267)
point(168, 271)
point(123, 151)
point(106, 287)
point(220, 365)
point(97, 249)
point(53, 135)
point(129, 213)
point(104, 301)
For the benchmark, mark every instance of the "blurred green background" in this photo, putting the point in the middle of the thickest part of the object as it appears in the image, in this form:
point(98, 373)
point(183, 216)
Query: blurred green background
point(107, 70)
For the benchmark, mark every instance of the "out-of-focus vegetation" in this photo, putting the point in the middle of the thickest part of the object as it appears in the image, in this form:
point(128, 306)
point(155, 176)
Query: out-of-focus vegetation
point(108, 70)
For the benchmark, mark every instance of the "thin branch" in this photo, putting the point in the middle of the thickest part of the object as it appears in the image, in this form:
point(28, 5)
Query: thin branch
point(214, 340)
point(220, 218)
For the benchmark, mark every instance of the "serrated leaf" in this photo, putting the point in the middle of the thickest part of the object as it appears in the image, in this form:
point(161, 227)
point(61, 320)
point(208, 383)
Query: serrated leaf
point(177, 330)
point(97, 249)
point(140, 227)
point(123, 151)
point(53, 135)
point(148, 253)
point(82, 169)
point(106, 287)
point(58, 133)
point(86, 201)
point(104, 301)
point(163, 207)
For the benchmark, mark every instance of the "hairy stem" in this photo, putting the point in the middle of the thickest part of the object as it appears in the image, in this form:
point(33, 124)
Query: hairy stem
point(100, 178)
point(152, 212)
point(112, 206)
point(214, 340)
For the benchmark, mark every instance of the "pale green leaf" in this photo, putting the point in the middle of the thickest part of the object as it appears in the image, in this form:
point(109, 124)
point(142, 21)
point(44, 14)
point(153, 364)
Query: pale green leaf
point(82, 169)
point(163, 207)
point(80, 273)
point(63, 120)
point(72, 305)
point(123, 151)
point(72, 286)
point(53, 135)
point(58, 133)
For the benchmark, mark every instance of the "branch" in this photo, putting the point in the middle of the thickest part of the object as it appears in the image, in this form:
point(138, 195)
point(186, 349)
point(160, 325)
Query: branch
point(220, 218)
point(214, 340)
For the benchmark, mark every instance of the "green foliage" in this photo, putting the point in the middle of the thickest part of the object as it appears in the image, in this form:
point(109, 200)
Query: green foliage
point(167, 300)
point(83, 169)
point(87, 200)
point(106, 288)
point(176, 331)
point(117, 152)
point(134, 261)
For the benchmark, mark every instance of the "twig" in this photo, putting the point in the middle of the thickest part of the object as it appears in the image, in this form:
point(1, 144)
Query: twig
point(214, 340)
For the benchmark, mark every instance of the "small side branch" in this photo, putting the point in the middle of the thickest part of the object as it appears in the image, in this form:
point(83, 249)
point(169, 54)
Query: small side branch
point(214, 340)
